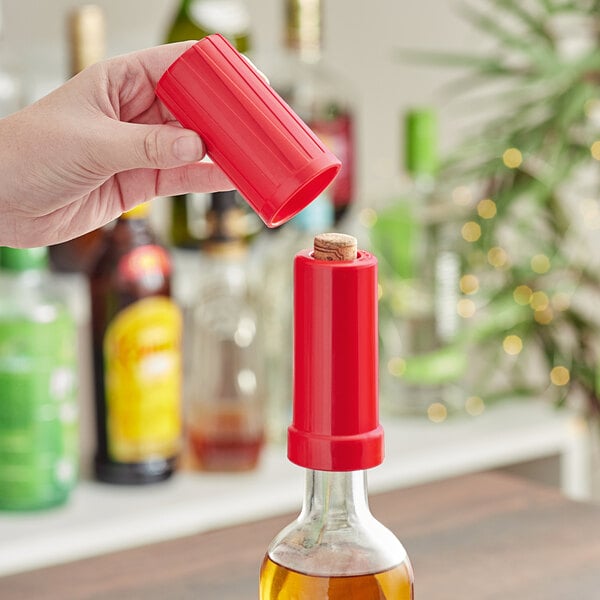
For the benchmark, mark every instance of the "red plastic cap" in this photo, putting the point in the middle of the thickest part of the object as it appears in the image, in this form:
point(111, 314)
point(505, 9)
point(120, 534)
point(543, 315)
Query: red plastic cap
point(275, 161)
point(336, 415)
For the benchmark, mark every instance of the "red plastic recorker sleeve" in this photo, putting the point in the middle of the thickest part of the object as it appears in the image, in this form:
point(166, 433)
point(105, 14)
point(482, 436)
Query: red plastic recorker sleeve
point(335, 423)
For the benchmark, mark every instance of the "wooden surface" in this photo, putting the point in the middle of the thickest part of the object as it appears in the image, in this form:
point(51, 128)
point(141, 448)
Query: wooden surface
point(480, 537)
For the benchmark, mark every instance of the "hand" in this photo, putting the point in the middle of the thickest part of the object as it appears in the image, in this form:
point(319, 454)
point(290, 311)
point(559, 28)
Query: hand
point(93, 148)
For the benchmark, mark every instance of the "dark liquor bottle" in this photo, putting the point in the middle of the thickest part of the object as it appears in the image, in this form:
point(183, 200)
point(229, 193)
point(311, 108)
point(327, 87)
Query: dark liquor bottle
point(137, 356)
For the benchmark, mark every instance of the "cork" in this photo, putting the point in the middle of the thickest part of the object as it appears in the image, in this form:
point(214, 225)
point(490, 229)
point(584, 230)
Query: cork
point(334, 246)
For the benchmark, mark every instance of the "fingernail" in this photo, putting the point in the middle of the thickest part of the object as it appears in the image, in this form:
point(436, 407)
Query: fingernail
point(188, 148)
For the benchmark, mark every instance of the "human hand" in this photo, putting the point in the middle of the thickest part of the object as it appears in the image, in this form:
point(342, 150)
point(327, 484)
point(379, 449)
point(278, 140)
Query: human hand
point(93, 148)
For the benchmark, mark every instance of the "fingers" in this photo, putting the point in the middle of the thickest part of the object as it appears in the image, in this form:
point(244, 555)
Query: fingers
point(143, 184)
point(126, 146)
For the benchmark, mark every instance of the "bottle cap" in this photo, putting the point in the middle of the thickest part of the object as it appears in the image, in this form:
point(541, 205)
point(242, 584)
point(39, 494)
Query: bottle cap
point(421, 141)
point(335, 423)
point(274, 160)
point(24, 259)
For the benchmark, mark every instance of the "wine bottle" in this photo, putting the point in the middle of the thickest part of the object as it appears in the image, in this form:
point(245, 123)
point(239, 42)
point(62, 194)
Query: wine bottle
point(87, 35)
point(194, 20)
point(318, 94)
point(335, 549)
point(137, 356)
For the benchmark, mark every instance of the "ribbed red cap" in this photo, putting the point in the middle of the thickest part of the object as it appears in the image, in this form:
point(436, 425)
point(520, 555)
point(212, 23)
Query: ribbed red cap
point(275, 161)
point(335, 423)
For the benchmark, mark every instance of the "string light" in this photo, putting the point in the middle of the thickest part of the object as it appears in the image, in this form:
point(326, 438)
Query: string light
point(539, 301)
point(469, 284)
point(462, 196)
point(560, 375)
point(367, 217)
point(497, 257)
point(486, 208)
point(512, 158)
point(522, 295)
point(540, 264)
point(466, 308)
point(396, 366)
point(437, 412)
point(512, 345)
point(544, 317)
point(471, 231)
point(595, 150)
point(474, 406)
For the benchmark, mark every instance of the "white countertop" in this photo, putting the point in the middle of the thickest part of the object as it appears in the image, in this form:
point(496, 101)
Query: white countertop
point(101, 518)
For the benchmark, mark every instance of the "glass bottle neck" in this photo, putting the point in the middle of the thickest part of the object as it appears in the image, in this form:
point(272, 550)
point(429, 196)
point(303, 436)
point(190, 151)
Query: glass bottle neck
point(303, 28)
point(336, 496)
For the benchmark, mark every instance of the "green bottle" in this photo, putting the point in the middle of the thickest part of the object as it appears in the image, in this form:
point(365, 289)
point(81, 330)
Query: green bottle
point(38, 384)
point(415, 239)
point(194, 20)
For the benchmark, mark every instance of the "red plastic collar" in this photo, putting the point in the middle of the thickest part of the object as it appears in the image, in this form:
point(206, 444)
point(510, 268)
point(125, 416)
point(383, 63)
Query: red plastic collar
point(336, 418)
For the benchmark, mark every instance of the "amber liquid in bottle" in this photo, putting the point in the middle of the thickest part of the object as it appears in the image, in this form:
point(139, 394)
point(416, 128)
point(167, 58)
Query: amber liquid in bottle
point(286, 584)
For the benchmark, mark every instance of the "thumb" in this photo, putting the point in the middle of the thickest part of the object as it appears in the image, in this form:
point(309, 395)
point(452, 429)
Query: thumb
point(136, 146)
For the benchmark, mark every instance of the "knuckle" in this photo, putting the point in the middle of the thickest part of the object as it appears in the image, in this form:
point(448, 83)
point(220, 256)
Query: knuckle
point(152, 149)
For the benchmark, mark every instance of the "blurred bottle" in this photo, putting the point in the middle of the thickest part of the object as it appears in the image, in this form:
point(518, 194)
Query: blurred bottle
point(137, 356)
point(277, 256)
point(318, 94)
point(87, 34)
point(226, 396)
point(38, 384)
point(11, 92)
point(416, 241)
point(194, 20)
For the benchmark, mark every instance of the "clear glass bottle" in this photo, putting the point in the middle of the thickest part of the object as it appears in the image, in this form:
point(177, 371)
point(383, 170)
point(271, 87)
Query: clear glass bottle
point(226, 392)
point(318, 94)
point(416, 239)
point(194, 20)
point(137, 332)
point(336, 549)
point(38, 384)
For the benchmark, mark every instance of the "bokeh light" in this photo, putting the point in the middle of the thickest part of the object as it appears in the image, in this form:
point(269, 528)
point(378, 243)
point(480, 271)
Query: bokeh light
point(471, 231)
point(539, 301)
point(522, 295)
point(595, 150)
point(486, 208)
point(367, 217)
point(540, 264)
point(497, 257)
point(512, 158)
point(466, 308)
point(512, 344)
point(544, 317)
point(437, 412)
point(396, 366)
point(469, 284)
point(560, 375)
point(474, 406)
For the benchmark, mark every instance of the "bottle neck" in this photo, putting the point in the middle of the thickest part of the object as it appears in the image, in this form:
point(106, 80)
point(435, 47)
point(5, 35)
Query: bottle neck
point(303, 29)
point(335, 497)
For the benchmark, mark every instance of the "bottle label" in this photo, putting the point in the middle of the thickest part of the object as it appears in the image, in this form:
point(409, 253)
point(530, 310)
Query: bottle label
point(145, 265)
point(142, 355)
point(38, 410)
